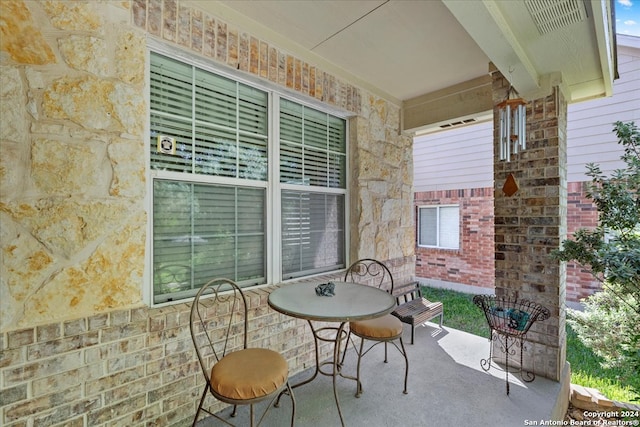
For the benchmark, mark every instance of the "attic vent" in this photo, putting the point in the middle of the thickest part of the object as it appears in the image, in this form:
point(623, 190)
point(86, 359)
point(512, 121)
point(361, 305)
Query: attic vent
point(458, 123)
point(551, 15)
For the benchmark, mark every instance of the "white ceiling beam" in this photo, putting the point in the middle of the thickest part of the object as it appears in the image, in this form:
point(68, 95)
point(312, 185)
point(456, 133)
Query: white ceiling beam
point(605, 37)
point(486, 24)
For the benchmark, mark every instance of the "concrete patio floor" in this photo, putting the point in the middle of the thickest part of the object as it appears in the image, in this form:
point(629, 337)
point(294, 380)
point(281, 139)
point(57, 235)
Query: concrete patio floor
point(447, 387)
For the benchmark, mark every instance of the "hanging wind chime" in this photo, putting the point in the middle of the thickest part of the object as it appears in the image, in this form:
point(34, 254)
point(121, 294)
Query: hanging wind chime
point(513, 121)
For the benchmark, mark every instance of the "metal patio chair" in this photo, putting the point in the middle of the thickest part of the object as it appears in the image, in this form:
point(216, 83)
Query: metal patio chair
point(234, 373)
point(386, 329)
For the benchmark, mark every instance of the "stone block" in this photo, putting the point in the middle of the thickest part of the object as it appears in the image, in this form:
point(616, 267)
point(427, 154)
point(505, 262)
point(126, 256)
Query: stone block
point(74, 16)
point(85, 53)
point(96, 104)
point(22, 40)
point(14, 123)
point(129, 57)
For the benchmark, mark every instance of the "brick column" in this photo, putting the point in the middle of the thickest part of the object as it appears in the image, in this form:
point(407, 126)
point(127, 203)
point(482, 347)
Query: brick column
point(532, 222)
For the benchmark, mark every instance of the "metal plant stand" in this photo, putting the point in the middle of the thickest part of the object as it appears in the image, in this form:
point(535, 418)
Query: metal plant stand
point(509, 320)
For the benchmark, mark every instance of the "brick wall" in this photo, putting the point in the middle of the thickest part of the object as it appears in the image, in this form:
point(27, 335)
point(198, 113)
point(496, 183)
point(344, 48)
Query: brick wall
point(581, 213)
point(128, 367)
point(473, 263)
point(531, 223)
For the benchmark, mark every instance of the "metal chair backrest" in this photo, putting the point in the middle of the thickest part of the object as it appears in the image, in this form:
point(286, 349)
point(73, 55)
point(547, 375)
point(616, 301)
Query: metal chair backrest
point(371, 272)
point(218, 320)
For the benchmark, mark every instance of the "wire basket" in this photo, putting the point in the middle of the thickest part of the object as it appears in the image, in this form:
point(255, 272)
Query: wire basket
point(509, 321)
point(509, 315)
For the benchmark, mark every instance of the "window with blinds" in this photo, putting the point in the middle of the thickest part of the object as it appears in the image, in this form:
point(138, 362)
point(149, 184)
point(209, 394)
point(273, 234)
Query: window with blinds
point(219, 125)
point(202, 231)
point(213, 205)
point(203, 226)
point(439, 226)
point(312, 233)
point(313, 178)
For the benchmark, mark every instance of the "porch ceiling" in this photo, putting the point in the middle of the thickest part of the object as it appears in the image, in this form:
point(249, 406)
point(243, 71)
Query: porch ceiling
point(408, 49)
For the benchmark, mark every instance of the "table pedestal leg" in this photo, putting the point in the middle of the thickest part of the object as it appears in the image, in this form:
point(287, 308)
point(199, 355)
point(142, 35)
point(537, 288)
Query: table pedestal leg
point(336, 366)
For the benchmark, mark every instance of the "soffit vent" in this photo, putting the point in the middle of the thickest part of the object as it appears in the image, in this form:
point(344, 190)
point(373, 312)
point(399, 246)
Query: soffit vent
point(551, 15)
point(458, 123)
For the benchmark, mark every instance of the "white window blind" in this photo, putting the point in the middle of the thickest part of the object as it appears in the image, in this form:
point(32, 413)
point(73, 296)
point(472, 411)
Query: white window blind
point(312, 155)
point(312, 232)
point(220, 126)
point(203, 229)
point(449, 232)
point(213, 205)
point(439, 226)
point(428, 220)
point(312, 147)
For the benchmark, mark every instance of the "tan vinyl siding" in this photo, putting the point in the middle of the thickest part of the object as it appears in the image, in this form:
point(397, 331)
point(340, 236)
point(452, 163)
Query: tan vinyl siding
point(589, 126)
point(454, 159)
point(461, 158)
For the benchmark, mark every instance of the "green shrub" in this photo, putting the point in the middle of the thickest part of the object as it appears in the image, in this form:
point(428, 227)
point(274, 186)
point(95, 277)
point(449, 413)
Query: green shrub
point(611, 252)
point(609, 327)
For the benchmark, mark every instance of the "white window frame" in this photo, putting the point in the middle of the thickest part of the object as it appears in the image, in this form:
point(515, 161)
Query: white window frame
point(273, 185)
point(438, 209)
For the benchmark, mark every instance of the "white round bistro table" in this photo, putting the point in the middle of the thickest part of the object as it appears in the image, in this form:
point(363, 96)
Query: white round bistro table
point(351, 302)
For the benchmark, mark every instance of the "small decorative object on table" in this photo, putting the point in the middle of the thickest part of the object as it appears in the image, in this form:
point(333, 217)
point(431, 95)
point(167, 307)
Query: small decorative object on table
point(509, 320)
point(326, 289)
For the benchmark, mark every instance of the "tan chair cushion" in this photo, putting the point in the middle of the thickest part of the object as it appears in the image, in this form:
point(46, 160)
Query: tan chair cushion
point(387, 326)
point(249, 373)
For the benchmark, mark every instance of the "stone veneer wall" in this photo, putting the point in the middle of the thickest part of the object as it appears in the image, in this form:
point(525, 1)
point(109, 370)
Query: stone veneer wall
point(78, 344)
point(532, 223)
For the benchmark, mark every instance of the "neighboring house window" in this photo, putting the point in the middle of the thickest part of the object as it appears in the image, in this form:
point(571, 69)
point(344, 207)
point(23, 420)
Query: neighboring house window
point(439, 226)
point(215, 144)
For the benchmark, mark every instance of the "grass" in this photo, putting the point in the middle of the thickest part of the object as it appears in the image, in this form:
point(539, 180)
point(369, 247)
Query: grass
point(616, 384)
point(459, 311)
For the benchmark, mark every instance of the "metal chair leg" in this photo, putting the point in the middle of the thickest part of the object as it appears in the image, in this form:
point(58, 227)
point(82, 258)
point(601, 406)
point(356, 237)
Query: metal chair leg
point(406, 366)
point(293, 404)
point(204, 394)
point(359, 383)
point(506, 362)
